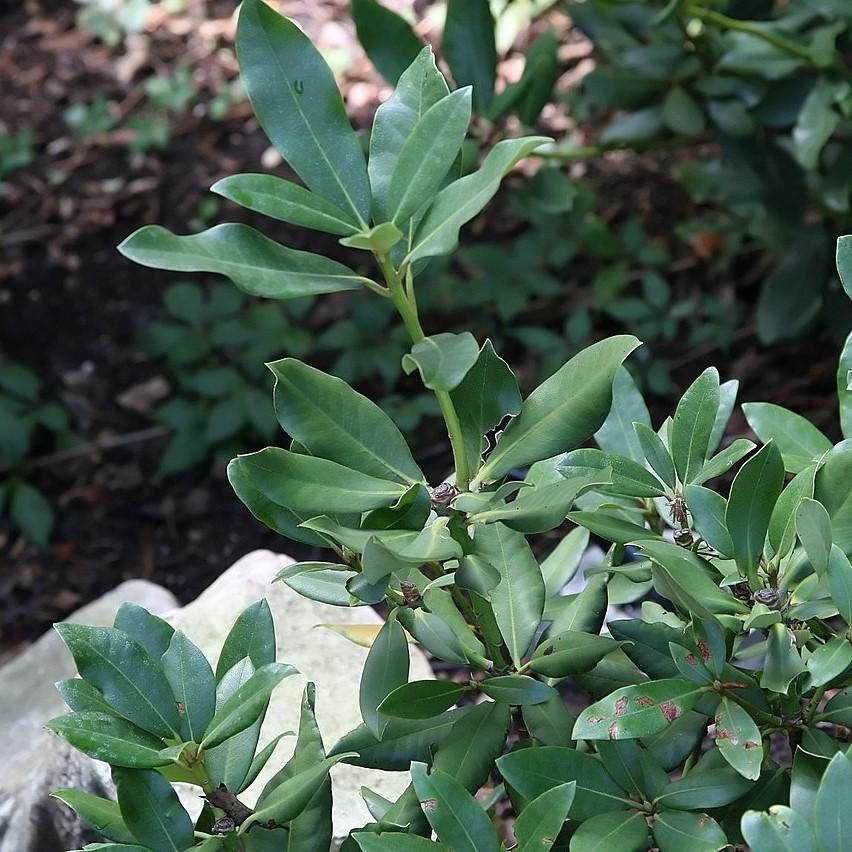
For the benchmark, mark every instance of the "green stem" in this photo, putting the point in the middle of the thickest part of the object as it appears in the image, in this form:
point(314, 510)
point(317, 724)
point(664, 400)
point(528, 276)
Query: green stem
point(406, 306)
point(810, 710)
point(713, 17)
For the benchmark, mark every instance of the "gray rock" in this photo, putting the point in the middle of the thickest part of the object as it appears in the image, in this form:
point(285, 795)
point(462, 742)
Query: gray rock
point(35, 762)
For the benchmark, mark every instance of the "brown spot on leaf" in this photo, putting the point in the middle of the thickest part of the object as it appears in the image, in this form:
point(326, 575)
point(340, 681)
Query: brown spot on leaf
point(612, 731)
point(702, 820)
point(722, 734)
point(180, 708)
point(751, 744)
point(691, 659)
point(429, 805)
point(621, 706)
point(594, 720)
point(704, 650)
point(646, 701)
point(670, 710)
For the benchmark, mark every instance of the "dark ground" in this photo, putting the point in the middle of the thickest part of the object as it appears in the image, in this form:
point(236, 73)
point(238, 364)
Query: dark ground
point(71, 309)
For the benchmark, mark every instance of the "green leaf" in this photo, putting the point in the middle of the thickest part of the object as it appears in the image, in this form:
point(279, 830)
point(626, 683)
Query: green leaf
point(420, 87)
point(294, 96)
point(442, 359)
point(404, 741)
point(281, 519)
point(19, 381)
point(832, 815)
point(286, 201)
point(310, 485)
point(844, 263)
point(517, 689)
point(625, 831)
point(478, 738)
point(676, 831)
point(260, 760)
point(289, 799)
point(682, 113)
point(704, 788)
point(337, 423)
point(798, 440)
point(230, 762)
point(829, 661)
point(312, 829)
point(629, 478)
point(326, 582)
point(611, 527)
point(470, 48)
point(723, 461)
point(486, 394)
point(708, 516)
point(738, 739)
point(755, 490)
point(32, 512)
point(421, 699)
point(693, 424)
point(563, 411)
point(584, 612)
point(427, 155)
point(111, 739)
point(813, 526)
point(560, 566)
point(687, 580)
point(782, 663)
point(257, 265)
point(385, 669)
point(783, 829)
point(395, 842)
point(782, 524)
point(244, 707)
point(844, 388)
point(541, 820)
point(617, 434)
point(816, 124)
point(638, 711)
point(82, 696)
point(545, 505)
point(785, 309)
point(727, 399)
point(381, 238)
point(152, 810)
point(438, 232)
point(193, 685)
point(456, 816)
point(656, 453)
point(252, 636)
point(387, 38)
point(832, 490)
point(129, 679)
point(571, 652)
point(550, 723)
point(530, 772)
point(101, 814)
point(150, 631)
point(840, 582)
point(518, 599)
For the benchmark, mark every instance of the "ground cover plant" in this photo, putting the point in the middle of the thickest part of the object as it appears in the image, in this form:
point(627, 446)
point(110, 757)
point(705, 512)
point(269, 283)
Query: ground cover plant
point(706, 720)
point(769, 82)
